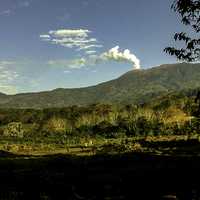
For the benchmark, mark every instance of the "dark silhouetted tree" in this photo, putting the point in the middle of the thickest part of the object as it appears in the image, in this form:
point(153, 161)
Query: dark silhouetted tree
point(189, 10)
point(197, 101)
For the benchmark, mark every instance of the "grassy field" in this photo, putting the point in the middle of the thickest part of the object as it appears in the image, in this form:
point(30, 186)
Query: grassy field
point(150, 167)
point(124, 176)
point(163, 145)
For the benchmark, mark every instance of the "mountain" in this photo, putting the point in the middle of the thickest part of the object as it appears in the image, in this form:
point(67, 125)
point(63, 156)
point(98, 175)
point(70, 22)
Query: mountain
point(136, 86)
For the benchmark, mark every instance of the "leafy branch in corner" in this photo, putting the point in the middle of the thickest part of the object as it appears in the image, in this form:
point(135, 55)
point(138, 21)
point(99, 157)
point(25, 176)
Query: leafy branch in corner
point(189, 10)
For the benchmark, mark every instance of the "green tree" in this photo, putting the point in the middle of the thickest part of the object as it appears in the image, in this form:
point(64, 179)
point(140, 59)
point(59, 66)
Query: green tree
point(189, 11)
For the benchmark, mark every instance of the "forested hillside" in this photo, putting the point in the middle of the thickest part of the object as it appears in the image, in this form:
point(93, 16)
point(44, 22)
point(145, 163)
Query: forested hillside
point(136, 86)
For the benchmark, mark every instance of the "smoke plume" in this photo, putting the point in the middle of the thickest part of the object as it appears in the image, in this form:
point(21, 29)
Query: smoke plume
point(125, 56)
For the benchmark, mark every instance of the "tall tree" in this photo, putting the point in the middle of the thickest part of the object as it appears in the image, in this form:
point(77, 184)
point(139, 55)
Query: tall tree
point(189, 10)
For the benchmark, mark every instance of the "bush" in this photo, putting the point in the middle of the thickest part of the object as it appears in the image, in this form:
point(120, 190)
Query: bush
point(14, 129)
point(55, 125)
point(85, 129)
point(106, 129)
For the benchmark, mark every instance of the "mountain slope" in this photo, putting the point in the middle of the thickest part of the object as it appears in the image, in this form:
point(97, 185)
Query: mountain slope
point(135, 86)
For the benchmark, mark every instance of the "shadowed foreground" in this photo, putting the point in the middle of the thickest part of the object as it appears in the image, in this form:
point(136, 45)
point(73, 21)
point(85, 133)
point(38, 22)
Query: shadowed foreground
point(127, 176)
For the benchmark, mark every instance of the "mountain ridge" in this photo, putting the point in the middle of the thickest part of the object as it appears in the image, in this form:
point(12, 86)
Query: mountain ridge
point(136, 86)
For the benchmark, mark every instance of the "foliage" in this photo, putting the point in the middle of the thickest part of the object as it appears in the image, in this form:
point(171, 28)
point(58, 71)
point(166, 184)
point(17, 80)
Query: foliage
point(189, 10)
point(14, 129)
point(100, 127)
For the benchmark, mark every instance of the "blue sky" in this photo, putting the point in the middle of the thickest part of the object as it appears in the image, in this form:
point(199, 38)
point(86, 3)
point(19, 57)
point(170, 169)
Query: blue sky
point(48, 44)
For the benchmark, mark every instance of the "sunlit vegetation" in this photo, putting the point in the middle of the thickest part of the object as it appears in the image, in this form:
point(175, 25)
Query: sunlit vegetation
point(100, 127)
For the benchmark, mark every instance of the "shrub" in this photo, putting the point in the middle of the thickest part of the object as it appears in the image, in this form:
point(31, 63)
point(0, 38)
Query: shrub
point(106, 129)
point(14, 129)
point(56, 125)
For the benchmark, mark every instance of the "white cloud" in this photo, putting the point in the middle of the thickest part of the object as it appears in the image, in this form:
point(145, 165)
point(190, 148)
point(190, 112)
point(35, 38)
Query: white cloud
point(7, 77)
point(85, 47)
point(90, 52)
point(67, 72)
point(7, 12)
point(6, 63)
point(72, 38)
point(6, 73)
point(125, 56)
point(79, 40)
point(74, 42)
point(70, 64)
point(8, 89)
point(63, 33)
point(92, 59)
point(44, 36)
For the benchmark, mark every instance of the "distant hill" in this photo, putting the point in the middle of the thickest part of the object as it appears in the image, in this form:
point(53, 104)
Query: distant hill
point(136, 86)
